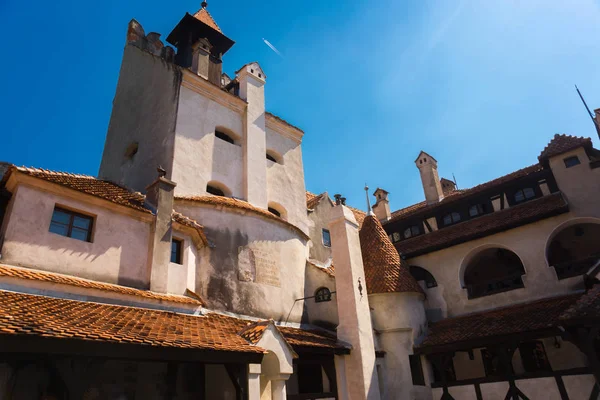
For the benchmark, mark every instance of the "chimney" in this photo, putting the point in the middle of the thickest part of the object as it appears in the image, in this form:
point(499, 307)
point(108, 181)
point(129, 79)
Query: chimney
point(382, 205)
point(159, 198)
point(448, 186)
point(358, 368)
point(252, 89)
point(429, 178)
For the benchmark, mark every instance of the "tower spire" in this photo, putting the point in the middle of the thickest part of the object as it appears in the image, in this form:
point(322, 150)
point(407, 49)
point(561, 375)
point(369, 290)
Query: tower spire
point(369, 210)
point(204, 4)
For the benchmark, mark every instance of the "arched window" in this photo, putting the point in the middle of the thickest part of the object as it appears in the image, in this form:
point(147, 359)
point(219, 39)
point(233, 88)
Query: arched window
point(277, 209)
point(322, 294)
point(451, 218)
point(524, 194)
point(493, 270)
point(421, 274)
point(574, 250)
point(274, 156)
point(217, 189)
point(226, 135)
point(131, 151)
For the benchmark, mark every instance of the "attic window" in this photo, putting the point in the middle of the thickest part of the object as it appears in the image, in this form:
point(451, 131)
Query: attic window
point(223, 136)
point(524, 194)
point(131, 151)
point(412, 231)
point(451, 218)
point(571, 161)
point(214, 191)
point(477, 209)
point(396, 237)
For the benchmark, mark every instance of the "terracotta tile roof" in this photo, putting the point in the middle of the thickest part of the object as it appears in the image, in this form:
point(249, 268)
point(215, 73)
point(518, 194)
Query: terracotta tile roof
point(457, 195)
point(562, 143)
point(43, 276)
point(183, 220)
point(253, 332)
point(330, 270)
point(229, 202)
point(281, 119)
point(88, 184)
point(312, 338)
point(313, 199)
point(30, 315)
point(586, 308)
point(204, 16)
point(488, 224)
point(520, 318)
point(384, 272)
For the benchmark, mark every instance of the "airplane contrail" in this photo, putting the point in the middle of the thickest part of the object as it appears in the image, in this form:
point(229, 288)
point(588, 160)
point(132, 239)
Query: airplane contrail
point(272, 47)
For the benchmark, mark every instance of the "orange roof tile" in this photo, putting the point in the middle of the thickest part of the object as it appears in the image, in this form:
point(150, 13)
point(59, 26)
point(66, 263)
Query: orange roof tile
point(229, 202)
point(51, 277)
point(183, 220)
point(384, 270)
point(313, 199)
point(562, 143)
point(204, 16)
point(31, 315)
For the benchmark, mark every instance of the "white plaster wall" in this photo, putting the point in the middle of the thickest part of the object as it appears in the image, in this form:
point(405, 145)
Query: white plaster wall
point(183, 276)
point(568, 356)
point(199, 156)
point(528, 242)
point(217, 277)
point(398, 311)
point(285, 181)
point(324, 313)
point(463, 392)
point(540, 389)
point(117, 254)
point(318, 220)
point(466, 368)
point(579, 386)
point(494, 390)
point(580, 183)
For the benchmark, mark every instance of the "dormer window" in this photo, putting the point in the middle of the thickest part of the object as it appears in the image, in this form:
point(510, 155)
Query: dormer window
point(412, 231)
point(571, 161)
point(451, 218)
point(223, 136)
point(525, 194)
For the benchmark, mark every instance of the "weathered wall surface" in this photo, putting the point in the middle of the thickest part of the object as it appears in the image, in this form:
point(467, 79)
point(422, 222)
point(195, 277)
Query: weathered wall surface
point(318, 220)
point(285, 180)
point(256, 266)
point(144, 112)
point(325, 313)
point(201, 157)
point(117, 254)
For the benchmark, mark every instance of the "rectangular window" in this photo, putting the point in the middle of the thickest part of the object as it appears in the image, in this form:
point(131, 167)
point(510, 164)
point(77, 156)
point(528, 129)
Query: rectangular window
point(326, 238)
point(416, 370)
point(176, 251)
point(71, 224)
point(571, 161)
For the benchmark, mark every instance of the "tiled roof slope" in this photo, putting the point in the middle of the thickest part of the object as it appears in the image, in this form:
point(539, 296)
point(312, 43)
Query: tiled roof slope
point(43, 276)
point(461, 194)
point(485, 225)
point(183, 220)
point(30, 315)
point(312, 338)
point(562, 143)
point(384, 272)
point(228, 202)
point(519, 318)
point(254, 332)
point(313, 199)
point(88, 184)
point(204, 16)
point(586, 308)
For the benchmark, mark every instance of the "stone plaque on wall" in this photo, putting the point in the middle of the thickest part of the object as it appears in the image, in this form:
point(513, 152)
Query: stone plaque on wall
point(258, 265)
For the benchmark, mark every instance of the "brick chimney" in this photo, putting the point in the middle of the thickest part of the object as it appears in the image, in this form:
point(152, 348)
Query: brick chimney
point(382, 205)
point(159, 198)
point(429, 178)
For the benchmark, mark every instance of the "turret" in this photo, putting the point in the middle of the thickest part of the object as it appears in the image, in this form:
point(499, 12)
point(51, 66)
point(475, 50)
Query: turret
point(382, 205)
point(429, 178)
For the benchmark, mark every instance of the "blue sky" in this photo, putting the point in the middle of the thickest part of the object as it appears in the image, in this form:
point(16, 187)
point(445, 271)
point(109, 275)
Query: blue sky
point(480, 85)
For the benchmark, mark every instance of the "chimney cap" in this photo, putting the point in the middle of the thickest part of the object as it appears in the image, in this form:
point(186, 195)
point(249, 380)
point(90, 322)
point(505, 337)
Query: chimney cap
point(425, 154)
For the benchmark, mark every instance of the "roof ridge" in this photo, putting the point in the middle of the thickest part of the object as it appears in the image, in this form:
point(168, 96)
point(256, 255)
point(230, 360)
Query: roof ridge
point(51, 172)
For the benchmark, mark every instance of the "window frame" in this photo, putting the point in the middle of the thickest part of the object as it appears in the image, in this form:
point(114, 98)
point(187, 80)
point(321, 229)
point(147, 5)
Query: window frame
point(72, 215)
point(452, 215)
point(525, 197)
point(328, 243)
point(220, 134)
point(322, 295)
point(571, 161)
point(179, 251)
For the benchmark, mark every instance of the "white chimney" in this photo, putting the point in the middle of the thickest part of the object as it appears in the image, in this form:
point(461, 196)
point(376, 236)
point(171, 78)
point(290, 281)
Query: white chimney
point(429, 178)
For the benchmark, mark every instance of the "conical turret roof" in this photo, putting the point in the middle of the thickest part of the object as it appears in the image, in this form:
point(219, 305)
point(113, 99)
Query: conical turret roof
point(385, 272)
point(204, 16)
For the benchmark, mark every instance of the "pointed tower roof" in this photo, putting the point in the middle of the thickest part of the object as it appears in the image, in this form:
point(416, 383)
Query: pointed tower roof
point(204, 16)
point(385, 272)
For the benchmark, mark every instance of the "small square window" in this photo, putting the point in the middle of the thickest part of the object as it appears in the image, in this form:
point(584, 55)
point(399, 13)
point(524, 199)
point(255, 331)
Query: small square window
point(177, 251)
point(71, 224)
point(571, 161)
point(326, 238)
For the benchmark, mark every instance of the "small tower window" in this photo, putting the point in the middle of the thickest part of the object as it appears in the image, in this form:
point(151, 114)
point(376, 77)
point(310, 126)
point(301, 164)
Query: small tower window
point(322, 295)
point(176, 251)
point(223, 136)
point(326, 238)
point(571, 161)
point(214, 191)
